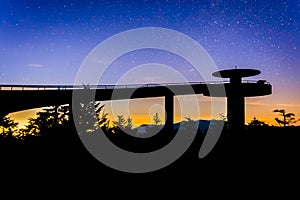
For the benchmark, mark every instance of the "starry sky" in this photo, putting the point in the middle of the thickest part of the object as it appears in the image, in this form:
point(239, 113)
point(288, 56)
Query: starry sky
point(45, 42)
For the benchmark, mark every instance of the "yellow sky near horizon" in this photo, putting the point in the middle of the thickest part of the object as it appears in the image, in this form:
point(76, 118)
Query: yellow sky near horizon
point(142, 111)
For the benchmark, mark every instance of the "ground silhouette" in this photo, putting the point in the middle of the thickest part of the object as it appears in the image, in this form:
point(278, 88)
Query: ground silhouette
point(255, 149)
point(55, 151)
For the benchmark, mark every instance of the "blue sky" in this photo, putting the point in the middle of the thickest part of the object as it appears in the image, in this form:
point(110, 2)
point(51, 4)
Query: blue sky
point(45, 42)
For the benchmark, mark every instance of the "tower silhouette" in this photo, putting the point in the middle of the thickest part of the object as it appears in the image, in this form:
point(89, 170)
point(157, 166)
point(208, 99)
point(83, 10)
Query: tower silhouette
point(236, 91)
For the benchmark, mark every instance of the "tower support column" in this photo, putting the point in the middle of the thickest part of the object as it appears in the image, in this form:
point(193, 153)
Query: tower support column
point(236, 112)
point(169, 107)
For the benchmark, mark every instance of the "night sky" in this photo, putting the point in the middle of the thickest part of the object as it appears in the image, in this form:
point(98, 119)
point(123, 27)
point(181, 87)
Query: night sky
point(45, 42)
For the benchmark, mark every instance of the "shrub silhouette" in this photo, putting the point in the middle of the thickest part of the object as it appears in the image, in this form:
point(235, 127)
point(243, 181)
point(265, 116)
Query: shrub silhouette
point(257, 123)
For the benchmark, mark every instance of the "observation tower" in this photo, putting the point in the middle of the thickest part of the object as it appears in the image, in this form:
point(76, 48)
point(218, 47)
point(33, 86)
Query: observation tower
point(236, 91)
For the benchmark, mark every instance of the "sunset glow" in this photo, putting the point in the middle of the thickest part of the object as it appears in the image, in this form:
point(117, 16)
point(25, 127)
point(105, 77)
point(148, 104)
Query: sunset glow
point(142, 111)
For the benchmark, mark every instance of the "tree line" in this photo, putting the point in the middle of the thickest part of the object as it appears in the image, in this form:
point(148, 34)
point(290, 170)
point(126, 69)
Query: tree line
point(283, 119)
point(59, 117)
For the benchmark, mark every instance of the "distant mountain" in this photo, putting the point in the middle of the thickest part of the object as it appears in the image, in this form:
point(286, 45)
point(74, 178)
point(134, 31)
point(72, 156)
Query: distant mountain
point(147, 130)
point(144, 130)
point(202, 124)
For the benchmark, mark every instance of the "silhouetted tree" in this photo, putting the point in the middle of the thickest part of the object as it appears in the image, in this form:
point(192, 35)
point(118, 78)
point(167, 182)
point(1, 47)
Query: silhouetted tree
point(7, 127)
point(89, 116)
point(129, 124)
point(156, 122)
point(23, 134)
point(20, 134)
point(64, 114)
point(223, 116)
point(35, 125)
point(224, 119)
point(286, 118)
point(189, 123)
point(105, 123)
point(121, 122)
point(156, 119)
point(92, 116)
point(257, 123)
point(50, 117)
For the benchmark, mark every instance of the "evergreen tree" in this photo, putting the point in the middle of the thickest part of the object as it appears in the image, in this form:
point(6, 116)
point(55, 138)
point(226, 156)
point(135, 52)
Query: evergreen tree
point(7, 127)
point(121, 122)
point(129, 124)
point(286, 119)
point(156, 119)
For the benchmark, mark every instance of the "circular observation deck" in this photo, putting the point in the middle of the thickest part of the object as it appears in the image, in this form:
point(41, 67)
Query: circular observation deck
point(234, 73)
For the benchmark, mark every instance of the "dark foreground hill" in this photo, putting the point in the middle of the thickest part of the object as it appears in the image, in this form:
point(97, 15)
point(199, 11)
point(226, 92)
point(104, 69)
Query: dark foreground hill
point(258, 154)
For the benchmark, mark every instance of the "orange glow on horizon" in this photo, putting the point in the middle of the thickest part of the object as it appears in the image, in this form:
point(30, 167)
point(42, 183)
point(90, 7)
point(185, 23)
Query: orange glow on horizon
point(142, 111)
